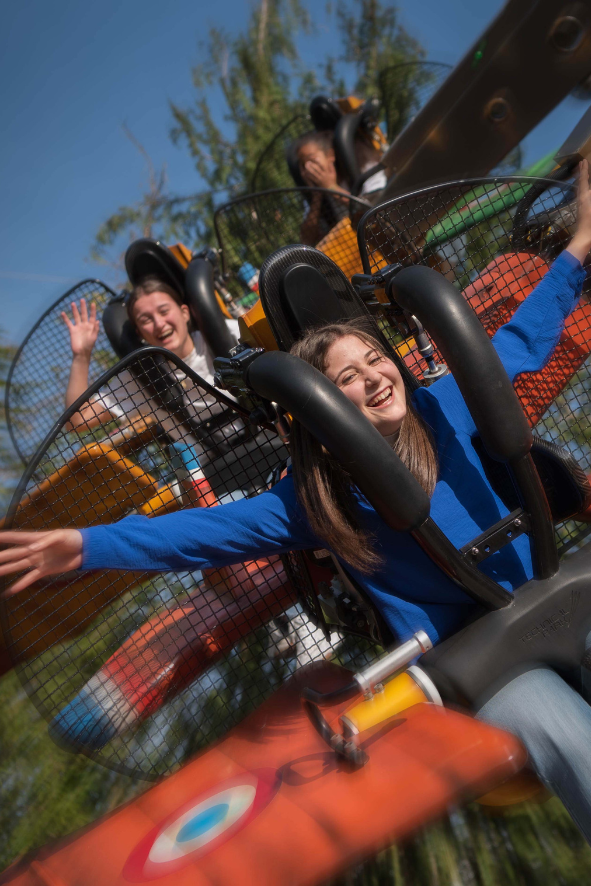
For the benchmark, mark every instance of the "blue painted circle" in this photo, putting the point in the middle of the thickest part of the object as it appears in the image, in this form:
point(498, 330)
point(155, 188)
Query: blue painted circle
point(203, 822)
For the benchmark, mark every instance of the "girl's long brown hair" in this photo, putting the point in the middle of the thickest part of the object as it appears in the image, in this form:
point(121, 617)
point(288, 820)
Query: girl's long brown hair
point(323, 487)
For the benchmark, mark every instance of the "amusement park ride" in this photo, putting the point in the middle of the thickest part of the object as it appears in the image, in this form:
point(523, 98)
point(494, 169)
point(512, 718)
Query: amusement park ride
point(297, 778)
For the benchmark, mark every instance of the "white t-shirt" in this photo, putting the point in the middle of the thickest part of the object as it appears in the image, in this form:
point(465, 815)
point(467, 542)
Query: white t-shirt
point(125, 397)
point(375, 182)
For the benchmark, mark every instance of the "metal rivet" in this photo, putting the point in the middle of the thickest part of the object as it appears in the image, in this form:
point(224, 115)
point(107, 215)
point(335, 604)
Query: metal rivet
point(567, 33)
point(475, 552)
point(497, 109)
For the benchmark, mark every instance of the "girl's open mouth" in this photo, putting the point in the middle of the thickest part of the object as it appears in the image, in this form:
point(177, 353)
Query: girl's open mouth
point(384, 398)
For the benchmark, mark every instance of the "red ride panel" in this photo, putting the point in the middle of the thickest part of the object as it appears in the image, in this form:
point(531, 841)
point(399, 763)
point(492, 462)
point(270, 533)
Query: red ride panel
point(270, 804)
point(495, 295)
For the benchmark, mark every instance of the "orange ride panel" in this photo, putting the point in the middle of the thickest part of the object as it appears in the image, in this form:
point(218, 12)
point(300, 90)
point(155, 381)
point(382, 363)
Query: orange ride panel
point(340, 244)
point(51, 611)
point(272, 805)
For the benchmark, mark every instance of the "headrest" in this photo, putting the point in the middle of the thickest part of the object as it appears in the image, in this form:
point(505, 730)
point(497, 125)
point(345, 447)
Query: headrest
point(145, 257)
point(119, 329)
point(307, 298)
point(324, 113)
point(301, 287)
point(195, 285)
point(344, 144)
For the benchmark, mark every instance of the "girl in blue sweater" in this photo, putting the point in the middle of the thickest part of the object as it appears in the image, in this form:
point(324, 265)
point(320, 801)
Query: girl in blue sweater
point(315, 506)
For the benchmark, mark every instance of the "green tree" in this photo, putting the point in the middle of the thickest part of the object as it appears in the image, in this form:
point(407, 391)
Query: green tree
point(373, 40)
point(262, 83)
point(141, 219)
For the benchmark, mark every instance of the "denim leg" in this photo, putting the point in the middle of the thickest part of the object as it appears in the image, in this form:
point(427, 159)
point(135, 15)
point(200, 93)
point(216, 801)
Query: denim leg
point(554, 724)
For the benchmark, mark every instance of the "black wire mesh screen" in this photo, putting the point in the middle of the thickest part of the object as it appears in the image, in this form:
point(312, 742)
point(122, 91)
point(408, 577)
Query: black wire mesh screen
point(140, 670)
point(405, 89)
point(252, 227)
point(495, 239)
point(272, 170)
point(38, 377)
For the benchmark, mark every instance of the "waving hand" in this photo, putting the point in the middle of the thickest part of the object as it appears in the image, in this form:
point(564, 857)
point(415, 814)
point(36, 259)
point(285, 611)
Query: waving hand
point(40, 553)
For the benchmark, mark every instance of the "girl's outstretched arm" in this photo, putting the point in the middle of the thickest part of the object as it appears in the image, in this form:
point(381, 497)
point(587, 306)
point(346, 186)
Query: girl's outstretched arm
point(270, 523)
point(40, 553)
point(527, 341)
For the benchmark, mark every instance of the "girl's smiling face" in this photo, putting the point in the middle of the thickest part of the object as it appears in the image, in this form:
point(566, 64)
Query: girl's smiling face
point(369, 380)
point(162, 322)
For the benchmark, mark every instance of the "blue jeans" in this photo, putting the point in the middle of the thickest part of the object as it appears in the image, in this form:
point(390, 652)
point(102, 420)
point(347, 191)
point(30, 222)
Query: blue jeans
point(554, 723)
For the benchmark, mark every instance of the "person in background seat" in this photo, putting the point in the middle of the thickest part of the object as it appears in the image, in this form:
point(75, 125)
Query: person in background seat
point(161, 319)
point(318, 168)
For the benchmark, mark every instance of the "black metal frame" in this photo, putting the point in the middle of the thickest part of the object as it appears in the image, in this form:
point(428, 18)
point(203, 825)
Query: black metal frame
point(22, 345)
point(149, 351)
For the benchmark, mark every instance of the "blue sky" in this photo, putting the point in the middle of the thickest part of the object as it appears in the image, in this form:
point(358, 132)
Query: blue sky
point(73, 73)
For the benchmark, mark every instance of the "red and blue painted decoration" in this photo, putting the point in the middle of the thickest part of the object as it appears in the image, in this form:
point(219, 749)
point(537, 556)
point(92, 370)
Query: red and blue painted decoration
point(203, 824)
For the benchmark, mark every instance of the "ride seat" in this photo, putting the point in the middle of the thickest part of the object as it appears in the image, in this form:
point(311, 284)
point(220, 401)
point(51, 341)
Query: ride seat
point(195, 284)
point(301, 288)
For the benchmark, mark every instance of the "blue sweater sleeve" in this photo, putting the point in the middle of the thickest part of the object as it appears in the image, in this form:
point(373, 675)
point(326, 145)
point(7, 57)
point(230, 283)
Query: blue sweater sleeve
point(527, 341)
point(270, 523)
point(524, 344)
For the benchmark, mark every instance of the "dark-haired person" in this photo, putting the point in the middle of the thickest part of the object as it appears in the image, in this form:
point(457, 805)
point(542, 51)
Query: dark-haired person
point(318, 168)
point(316, 506)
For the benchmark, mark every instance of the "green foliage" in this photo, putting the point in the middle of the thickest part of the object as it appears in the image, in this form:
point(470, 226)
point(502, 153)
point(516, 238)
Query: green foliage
point(532, 845)
point(373, 39)
point(247, 87)
point(44, 791)
point(139, 220)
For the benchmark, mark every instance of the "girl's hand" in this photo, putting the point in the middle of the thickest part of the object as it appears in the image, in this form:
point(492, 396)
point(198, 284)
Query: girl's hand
point(42, 553)
point(320, 172)
point(84, 330)
point(580, 245)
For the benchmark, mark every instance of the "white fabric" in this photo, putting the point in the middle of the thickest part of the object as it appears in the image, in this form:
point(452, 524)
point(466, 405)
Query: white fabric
point(375, 182)
point(123, 396)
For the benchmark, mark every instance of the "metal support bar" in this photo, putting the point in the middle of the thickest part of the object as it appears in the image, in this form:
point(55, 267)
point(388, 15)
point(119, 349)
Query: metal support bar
point(376, 673)
point(502, 533)
point(534, 502)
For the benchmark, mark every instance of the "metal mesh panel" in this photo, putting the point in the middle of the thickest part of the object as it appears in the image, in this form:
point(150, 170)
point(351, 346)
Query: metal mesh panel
point(405, 89)
point(272, 170)
point(134, 669)
point(39, 373)
point(250, 228)
point(495, 239)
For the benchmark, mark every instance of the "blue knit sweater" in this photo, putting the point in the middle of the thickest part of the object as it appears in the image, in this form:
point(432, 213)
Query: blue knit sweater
point(409, 589)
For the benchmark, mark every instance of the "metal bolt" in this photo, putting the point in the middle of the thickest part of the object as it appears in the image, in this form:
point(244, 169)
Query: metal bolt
point(475, 552)
point(517, 522)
